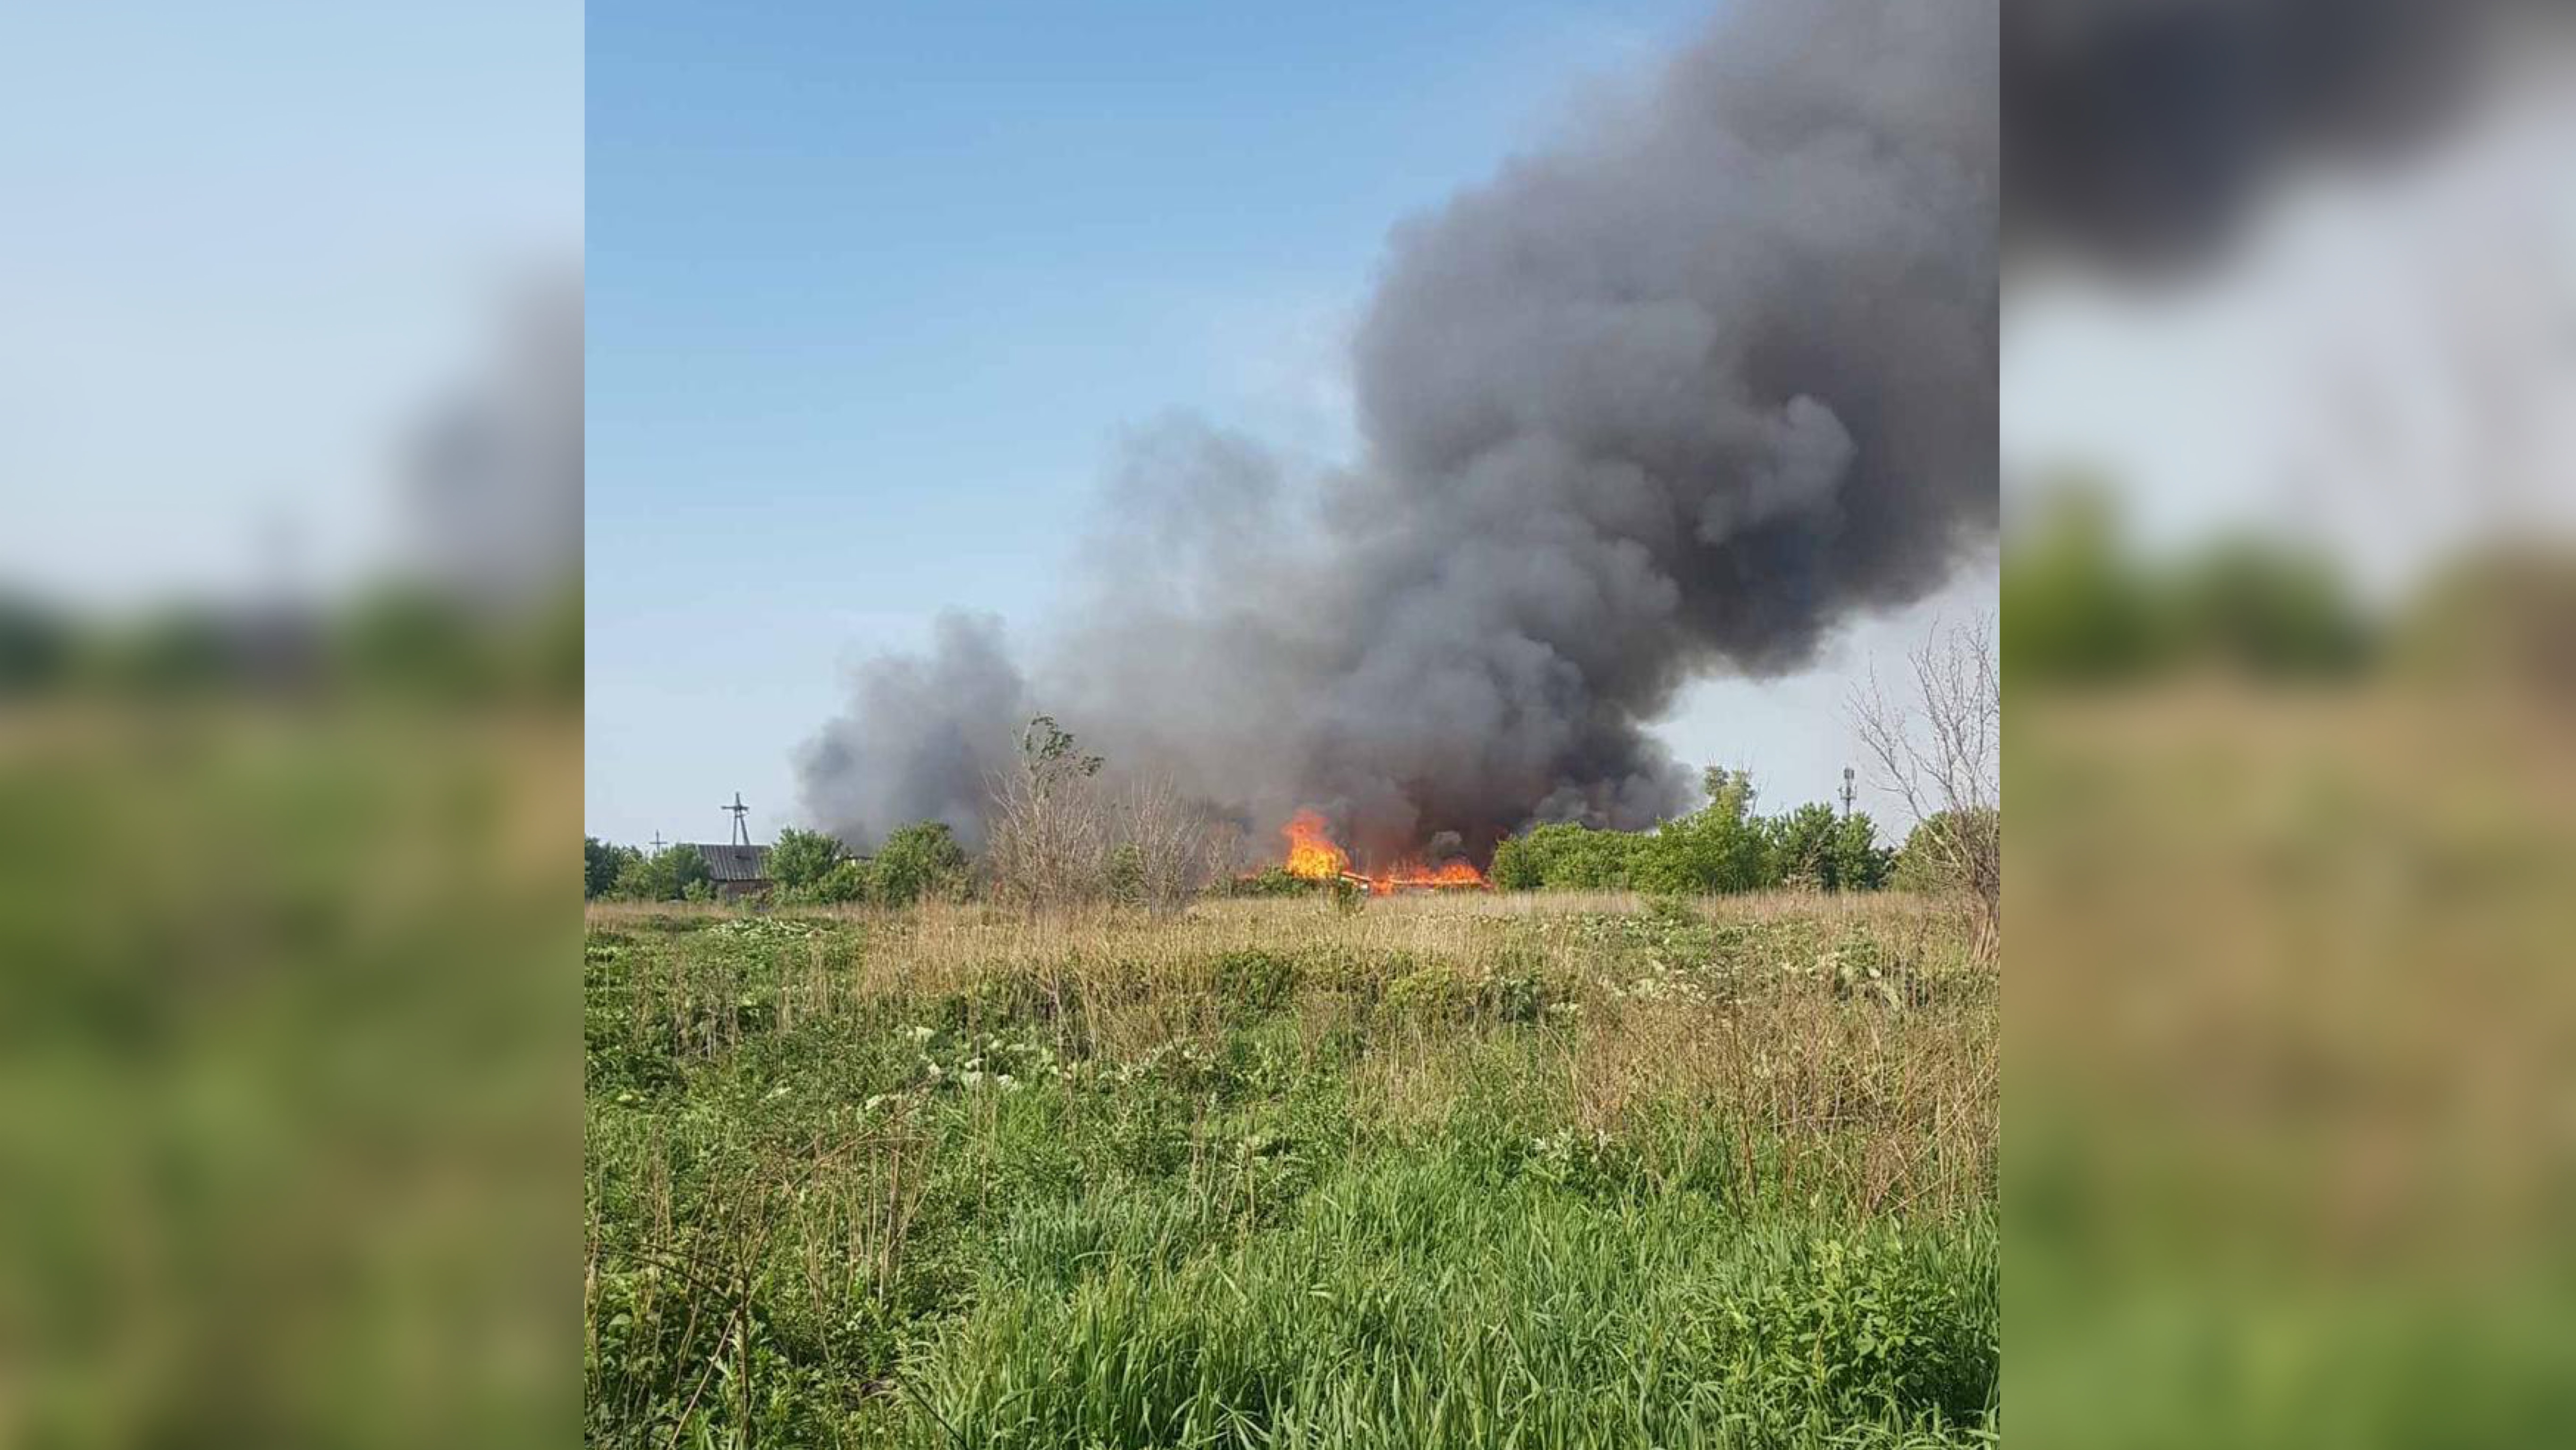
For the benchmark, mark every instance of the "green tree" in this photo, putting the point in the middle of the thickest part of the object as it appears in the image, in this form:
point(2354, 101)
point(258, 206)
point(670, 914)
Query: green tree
point(2270, 609)
point(688, 871)
point(174, 652)
point(409, 641)
point(634, 880)
point(1720, 847)
point(1565, 856)
point(1517, 866)
point(919, 860)
point(846, 882)
point(801, 858)
point(665, 876)
point(1596, 861)
point(36, 646)
point(1802, 846)
point(1858, 862)
point(601, 866)
point(2074, 605)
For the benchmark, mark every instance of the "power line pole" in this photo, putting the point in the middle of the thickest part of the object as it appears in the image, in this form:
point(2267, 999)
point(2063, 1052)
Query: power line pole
point(657, 843)
point(741, 820)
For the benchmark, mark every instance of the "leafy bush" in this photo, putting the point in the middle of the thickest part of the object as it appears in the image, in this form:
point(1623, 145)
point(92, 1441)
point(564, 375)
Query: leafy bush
point(1858, 862)
point(848, 881)
point(1428, 993)
point(1516, 866)
point(1258, 980)
point(601, 866)
point(1722, 847)
point(801, 858)
point(1566, 857)
point(2081, 605)
point(670, 874)
point(1812, 846)
point(1275, 881)
point(1518, 993)
point(1868, 1328)
point(919, 860)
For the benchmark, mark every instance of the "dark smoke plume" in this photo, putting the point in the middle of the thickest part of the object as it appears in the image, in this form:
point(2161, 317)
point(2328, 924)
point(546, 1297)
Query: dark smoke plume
point(1679, 397)
point(2142, 132)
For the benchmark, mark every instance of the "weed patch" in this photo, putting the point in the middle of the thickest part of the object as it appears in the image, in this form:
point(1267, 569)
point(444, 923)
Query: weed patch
point(1446, 1173)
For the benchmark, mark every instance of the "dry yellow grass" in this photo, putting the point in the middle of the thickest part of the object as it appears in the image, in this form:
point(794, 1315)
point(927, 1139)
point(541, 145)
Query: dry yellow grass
point(1855, 1036)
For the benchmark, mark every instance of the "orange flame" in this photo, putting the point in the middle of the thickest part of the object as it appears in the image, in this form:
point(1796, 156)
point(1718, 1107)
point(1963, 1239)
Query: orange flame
point(1311, 852)
point(1313, 856)
point(1447, 873)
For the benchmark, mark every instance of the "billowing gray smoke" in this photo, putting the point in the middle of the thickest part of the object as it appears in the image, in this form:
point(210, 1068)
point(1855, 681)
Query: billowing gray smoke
point(2142, 131)
point(1677, 398)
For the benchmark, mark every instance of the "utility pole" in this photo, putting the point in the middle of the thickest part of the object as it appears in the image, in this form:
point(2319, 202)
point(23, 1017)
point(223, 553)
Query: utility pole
point(741, 820)
point(657, 843)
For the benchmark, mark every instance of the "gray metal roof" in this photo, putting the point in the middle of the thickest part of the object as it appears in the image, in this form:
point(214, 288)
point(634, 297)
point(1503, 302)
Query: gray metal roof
point(735, 863)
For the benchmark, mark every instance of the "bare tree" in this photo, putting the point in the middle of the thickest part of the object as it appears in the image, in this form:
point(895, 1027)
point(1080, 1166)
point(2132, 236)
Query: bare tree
point(1173, 842)
point(1940, 749)
point(1048, 834)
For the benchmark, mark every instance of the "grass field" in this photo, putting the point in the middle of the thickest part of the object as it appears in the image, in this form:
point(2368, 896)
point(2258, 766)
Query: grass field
point(1473, 1170)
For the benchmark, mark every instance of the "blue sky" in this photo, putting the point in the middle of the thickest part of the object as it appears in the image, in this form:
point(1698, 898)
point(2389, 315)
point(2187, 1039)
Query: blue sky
point(248, 245)
point(874, 288)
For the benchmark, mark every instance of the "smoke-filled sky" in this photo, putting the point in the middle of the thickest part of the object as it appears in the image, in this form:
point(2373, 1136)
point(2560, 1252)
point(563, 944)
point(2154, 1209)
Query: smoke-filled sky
point(2334, 237)
point(1444, 541)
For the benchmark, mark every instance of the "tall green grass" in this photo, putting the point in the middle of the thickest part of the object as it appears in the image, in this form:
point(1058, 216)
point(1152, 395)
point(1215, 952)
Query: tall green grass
point(1410, 1301)
point(1609, 1179)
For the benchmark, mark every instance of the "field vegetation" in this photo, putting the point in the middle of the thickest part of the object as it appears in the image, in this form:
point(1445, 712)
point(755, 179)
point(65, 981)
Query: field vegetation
point(1542, 1169)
